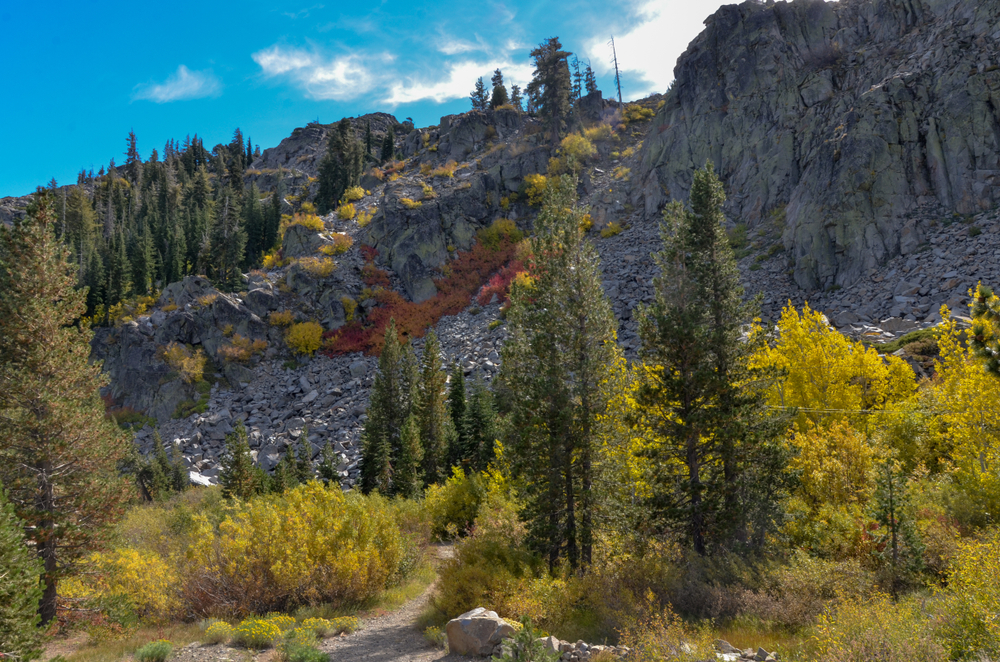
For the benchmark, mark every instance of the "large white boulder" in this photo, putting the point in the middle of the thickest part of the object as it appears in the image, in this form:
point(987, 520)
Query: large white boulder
point(476, 632)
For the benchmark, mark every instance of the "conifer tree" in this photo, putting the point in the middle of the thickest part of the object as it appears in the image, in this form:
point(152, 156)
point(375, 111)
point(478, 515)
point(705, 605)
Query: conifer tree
point(479, 97)
point(550, 84)
point(499, 97)
point(303, 461)
point(589, 80)
point(557, 364)
point(480, 425)
point(328, 465)
point(273, 218)
point(898, 545)
point(340, 167)
point(227, 244)
point(143, 262)
point(458, 452)
point(239, 478)
point(699, 397)
point(95, 282)
point(20, 592)
point(389, 145)
point(388, 410)
point(406, 481)
point(368, 138)
point(577, 77)
point(432, 409)
point(515, 98)
point(985, 337)
point(59, 456)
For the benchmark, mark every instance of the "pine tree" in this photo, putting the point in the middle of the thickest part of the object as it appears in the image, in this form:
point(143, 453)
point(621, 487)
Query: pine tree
point(480, 99)
point(575, 92)
point(303, 461)
point(119, 272)
point(549, 88)
point(499, 97)
point(984, 340)
point(20, 638)
point(328, 465)
point(256, 227)
point(273, 223)
point(432, 409)
point(143, 262)
point(388, 410)
point(515, 98)
point(340, 168)
point(180, 477)
point(227, 244)
point(59, 456)
point(897, 543)
point(699, 397)
point(406, 481)
point(239, 478)
point(480, 425)
point(458, 451)
point(589, 80)
point(557, 365)
point(389, 145)
point(96, 282)
point(133, 161)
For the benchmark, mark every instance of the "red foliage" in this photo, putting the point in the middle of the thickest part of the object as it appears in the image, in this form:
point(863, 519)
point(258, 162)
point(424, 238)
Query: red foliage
point(499, 284)
point(460, 280)
point(373, 276)
point(369, 253)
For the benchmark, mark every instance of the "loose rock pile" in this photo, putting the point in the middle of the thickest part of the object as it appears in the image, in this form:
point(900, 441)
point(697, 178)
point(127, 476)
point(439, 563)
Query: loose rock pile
point(730, 653)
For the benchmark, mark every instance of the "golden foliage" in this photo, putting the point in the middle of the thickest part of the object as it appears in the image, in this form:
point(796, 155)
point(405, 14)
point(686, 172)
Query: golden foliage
point(318, 267)
point(611, 229)
point(365, 217)
point(346, 211)
point(307, 220)
point(971, 625)
point(350, 306)
point(535, 187)
point(304, 338)
point(879, 628)
point(410, 204)
point(446, 170)
point(281, 318)
point(341, 244)
point(241, 350)
point(636, 113)
point(602, 131)
point(189, 364)
point(427, 191)
point(353, 194)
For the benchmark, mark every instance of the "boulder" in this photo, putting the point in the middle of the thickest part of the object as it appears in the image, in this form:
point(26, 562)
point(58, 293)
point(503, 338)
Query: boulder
point(476, 632)
point(299, 241)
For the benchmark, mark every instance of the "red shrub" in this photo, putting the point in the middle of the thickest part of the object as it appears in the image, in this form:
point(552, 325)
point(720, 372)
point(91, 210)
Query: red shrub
point(499, 284)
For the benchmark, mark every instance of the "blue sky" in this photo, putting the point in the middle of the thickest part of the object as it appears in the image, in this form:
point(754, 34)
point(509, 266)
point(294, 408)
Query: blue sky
point(79, 75)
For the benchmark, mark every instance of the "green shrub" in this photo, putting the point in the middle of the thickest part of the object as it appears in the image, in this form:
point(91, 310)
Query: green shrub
point(436, 637)
point(155, 651)
point(611, 229)
point(971, 625)
point(454, 505)
point(878, 629)
point(19, 587)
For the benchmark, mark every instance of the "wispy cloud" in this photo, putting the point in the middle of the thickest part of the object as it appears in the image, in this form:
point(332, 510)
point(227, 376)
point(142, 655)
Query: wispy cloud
point(182, 85)
point(456, 84)
point(302, 13)
point(324, 77)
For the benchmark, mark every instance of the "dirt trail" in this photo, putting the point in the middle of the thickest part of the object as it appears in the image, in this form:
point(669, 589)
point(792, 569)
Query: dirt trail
point(391, 637)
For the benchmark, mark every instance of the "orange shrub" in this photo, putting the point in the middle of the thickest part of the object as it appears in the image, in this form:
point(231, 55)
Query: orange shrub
point(241, 349)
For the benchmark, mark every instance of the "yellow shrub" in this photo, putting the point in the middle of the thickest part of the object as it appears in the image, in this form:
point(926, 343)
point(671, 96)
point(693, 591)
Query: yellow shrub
point(350, 306)
point(600, 132)
point(353, 194)
point(878, 629)
point(304, 338)
point(535, 187)
point(611, 229)
point(428, 191)
point(318, 267)
point(574, 150)
point(148, 581)
point(447, 170)
point(281, 318)
point(636, 113)
point(307, 220)
point(283, 621)
point(344, 624)
point(500, 230)
point(365, 217)
point(207, 300)
point(621, 173)
point(629, 152)
point(410, 204)
point(320, 626)
point(241, 349)
point(255, 633)
point(170, 307)
point(586, 223)
point(274, 261)
point(341, 244)
point(190, 365)
point(308, 207)
point(218, 632)
point(377, 173)
point(312, 544)
point(971, 625)
point(454, 505)
point(346, 212)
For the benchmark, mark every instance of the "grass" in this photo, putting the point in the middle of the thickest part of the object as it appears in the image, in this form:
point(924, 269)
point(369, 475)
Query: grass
point(790, 646)
point(390, 599)
point(179, 634)
point(903, 341)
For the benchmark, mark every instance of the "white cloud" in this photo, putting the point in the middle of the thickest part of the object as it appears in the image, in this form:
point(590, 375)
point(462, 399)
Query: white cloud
point(338, 78)
point(458, 82)
point(648, 52)
point(181, 85)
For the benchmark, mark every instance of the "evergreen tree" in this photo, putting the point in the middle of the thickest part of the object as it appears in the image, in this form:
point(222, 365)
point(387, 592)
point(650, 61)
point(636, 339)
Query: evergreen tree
point(549, 88)
point(340, 168)
point(133, 161)
point(328, 465)
point(577, 89)
point(699, 397)
point(480, 425)
point(59, 456)
point(406, 481)
point(20, 638)
point(479, 97)
point(368, 139)
point(589, 80)
point(240, 478)
point(389, 145)
point(175, 265)
point(984, 341)
point(95, 282)
point(119, 272)
point(515, 97)
point(143, 262)
point(303, 461)
point(227, 244)
point(283, 477)
point(256, 227)
point(273, 218)
point(898, 546)
point(499, 97)
point(432, 409)
point(153, 473)
point(388, 410)
point(458, 451)
point(180, 477)
point(556, 370)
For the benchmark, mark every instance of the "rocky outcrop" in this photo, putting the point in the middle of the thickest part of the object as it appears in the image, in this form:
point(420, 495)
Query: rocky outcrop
point(477, 632)
point(837, 120)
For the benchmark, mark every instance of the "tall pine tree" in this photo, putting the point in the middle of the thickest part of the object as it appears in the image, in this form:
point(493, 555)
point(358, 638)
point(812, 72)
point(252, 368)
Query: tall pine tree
point(388, 410)
point(432, 412)
point(549, 89)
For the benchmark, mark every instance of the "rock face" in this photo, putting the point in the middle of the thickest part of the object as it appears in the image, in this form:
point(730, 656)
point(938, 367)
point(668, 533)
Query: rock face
point(836, 120)
point(477, 632)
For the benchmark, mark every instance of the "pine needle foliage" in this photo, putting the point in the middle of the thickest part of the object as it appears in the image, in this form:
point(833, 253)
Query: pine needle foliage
point(59, 456)
point(19, 589)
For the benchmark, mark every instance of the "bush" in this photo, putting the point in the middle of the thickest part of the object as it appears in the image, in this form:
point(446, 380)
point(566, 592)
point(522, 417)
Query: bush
point(663, 637)
point(410, 204)
point(310, 545)
point(218, 632)
point(320, 626)
point(147, 580)
point(878, 629)
point(190, 365)
point(318, 267)
point(970, 625)
point(256, 633)
point(341, 244)
point(281, 318)
point(353, 194)
point(344, 625)
point(283, 621)
point(611, 229)
point(535, 187)
point(365, 217)
point(574, 150)
point(304, 338)
point(350, 306)
point(636, 113)
point(20, 590)
point(502, 230)
point(241, 349)
point(307, 220)
point(155, 651)
point(447, 170)
point(600, 132)
point(454, 505)
point(427, 191)
point(346, 212)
